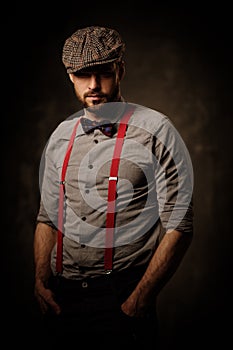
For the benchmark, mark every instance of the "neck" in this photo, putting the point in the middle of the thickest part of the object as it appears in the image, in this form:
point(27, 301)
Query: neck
point(110, 110)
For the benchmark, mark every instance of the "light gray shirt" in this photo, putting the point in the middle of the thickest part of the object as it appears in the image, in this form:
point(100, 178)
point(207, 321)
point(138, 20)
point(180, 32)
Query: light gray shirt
point(154, 191)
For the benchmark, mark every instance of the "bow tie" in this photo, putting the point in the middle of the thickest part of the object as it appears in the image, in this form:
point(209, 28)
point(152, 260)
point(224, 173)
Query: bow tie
point(105, 126)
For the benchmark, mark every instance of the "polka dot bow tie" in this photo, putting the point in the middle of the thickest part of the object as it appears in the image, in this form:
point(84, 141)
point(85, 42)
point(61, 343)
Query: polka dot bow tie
point(105, 126)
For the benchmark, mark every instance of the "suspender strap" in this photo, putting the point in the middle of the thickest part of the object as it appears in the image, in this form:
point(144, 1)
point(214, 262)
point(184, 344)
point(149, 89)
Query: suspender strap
point(110, 218)
point(112, 191)
point(61, 200)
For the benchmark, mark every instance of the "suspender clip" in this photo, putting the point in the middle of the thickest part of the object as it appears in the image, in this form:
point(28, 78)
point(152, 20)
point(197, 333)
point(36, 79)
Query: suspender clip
point(112, 178)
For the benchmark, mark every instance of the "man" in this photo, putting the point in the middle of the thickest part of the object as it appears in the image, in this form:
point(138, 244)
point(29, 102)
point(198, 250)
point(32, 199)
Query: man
point(115, 218)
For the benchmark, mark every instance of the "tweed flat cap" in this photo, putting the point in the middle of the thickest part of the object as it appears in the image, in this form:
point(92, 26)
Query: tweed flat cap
point(92, 46)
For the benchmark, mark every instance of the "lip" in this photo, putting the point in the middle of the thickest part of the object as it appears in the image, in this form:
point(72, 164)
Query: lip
point(94, 99)
point(94, 96)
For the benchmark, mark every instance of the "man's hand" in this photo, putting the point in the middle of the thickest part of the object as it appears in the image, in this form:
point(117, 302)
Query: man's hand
point(45, 298)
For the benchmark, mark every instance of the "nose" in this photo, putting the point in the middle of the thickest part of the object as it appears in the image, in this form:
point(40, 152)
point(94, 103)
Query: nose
point(94, 82)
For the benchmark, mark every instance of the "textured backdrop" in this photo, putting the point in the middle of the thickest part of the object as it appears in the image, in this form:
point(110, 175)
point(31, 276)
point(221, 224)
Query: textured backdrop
point(179, 61)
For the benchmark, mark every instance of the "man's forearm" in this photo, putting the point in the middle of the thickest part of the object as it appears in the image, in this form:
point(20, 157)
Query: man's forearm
point(44, 241)
point(163, 264)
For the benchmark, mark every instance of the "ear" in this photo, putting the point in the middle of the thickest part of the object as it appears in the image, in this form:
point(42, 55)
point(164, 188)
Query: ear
point(121, 70)
point(71, 76)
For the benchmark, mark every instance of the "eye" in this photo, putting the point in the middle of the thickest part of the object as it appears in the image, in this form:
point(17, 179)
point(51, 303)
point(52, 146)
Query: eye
point(98, 74)
point(107, 74)
point(82, 74)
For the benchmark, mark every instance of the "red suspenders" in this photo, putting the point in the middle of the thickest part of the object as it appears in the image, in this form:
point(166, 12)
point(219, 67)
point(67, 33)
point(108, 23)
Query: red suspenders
point(112, 183)
point(110, 218)
point(61, 200)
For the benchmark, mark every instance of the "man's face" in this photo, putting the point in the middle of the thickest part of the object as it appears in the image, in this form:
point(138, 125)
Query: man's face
point(98, 84)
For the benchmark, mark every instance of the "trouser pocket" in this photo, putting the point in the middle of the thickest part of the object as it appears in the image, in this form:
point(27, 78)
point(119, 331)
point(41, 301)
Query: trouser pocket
point(143, 329)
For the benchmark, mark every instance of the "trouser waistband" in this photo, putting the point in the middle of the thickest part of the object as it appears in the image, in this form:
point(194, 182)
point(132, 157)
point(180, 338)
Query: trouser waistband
point(117, 280)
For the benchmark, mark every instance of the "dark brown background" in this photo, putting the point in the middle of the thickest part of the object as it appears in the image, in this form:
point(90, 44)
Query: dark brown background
point(179, 61)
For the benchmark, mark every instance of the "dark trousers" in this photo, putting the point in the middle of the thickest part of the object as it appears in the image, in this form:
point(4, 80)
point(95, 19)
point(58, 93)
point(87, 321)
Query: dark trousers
point(91, 314)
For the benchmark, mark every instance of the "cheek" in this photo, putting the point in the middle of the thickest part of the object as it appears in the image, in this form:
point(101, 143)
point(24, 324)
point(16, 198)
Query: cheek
point(80, 89)
point(109, 86)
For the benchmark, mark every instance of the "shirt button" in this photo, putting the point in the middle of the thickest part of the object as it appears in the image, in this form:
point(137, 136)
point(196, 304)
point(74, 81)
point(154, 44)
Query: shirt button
point(90, 166)
point(83, 246)
point(84, 284)
point(87, 191)
point(96, 141)
point(84, 218)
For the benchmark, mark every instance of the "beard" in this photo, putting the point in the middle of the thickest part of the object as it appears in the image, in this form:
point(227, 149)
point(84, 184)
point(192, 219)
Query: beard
point(101, 108)
point(113, 97)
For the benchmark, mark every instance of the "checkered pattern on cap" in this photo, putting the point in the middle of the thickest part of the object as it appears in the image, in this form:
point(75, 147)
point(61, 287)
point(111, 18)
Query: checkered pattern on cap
point(92, 46)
